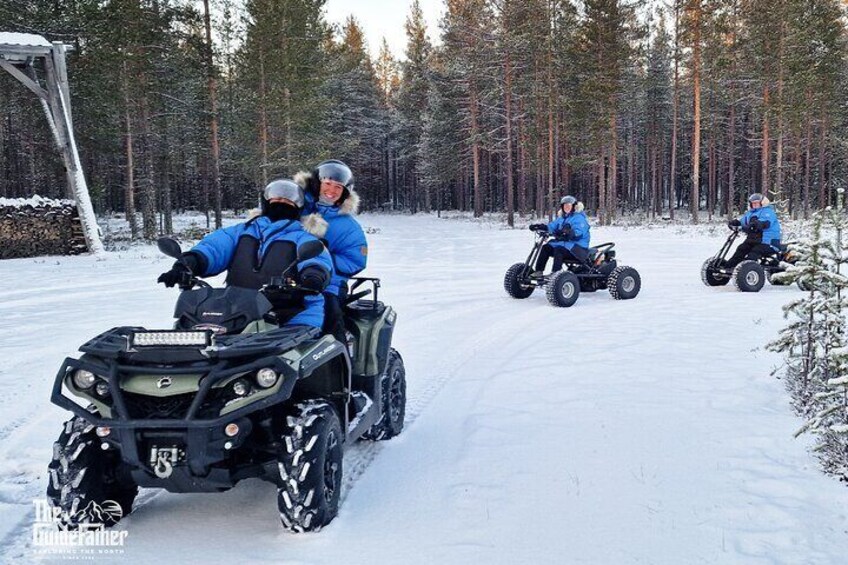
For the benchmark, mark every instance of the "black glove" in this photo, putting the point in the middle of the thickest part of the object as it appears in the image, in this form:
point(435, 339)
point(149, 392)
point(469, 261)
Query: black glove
point(538, 227)
point(175, 275)
point(567, 233)
point(189, 264)
point(754, 225)
point(734, 224)
point(314, 278)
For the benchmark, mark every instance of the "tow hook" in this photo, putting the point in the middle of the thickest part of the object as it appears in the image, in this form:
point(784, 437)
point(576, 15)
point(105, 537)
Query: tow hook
point(162, 460)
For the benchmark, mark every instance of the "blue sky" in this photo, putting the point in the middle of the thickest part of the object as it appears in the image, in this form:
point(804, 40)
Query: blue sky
point(385, 18)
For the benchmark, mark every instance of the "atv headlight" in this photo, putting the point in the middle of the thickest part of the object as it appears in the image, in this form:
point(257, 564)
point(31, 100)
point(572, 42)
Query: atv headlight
point(83, 379)
point(241, 387)
point(167, 338)
point(102, 388)
point(266, 378)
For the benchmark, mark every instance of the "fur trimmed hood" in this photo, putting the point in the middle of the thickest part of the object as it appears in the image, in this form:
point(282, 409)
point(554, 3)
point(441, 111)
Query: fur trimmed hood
point(350, 207)
point(579, 207)
point(315, 224)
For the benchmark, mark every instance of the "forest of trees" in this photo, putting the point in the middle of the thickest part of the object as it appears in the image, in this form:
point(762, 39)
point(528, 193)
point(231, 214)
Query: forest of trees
point(657, 108)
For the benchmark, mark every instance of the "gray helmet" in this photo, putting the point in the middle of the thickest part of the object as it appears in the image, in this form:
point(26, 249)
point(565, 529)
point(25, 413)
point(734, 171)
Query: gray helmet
point(283, 188)
point(567, 200)
point(756, 197)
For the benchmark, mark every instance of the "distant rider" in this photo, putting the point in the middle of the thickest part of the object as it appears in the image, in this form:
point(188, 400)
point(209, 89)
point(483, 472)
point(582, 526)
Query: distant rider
point(571, 236)
point(255, 251)
point(763, 228)
point(331, 204)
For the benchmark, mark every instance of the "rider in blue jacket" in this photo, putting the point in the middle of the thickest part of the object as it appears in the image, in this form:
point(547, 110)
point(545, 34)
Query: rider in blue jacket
point(571, 236)
point(260, 249)
point(763, 228)
point(329, 213)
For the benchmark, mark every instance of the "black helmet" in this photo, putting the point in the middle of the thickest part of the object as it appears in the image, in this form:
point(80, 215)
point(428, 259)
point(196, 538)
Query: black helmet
point(334, 170)
point(282, 188)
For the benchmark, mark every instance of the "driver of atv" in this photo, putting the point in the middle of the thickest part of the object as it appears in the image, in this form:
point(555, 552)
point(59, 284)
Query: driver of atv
point(763, 228)
point(256, 251)
point(570, 231)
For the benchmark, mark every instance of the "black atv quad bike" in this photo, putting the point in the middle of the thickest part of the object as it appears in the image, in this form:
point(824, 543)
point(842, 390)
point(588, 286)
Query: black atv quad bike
point(563, 288)
point(749, 275)
point(225, 396)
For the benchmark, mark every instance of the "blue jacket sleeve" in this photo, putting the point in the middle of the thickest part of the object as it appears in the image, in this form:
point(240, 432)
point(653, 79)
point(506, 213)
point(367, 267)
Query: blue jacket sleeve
point(578, 228)
point(350, 252)
point(218, 248)
point(555, 226)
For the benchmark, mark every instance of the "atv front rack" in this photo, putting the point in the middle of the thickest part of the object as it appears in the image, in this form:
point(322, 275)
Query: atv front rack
point(117, 344)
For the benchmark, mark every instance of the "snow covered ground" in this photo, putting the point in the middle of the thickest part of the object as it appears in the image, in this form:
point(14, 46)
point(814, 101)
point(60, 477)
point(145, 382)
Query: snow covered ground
point(646, 431)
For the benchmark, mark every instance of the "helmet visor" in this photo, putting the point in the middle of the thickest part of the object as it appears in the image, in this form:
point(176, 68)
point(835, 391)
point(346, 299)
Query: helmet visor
point(335, 171)
point(568, 200)
point(284, 189)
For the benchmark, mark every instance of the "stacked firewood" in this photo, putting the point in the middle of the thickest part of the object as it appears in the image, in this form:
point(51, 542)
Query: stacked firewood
point(38, 226)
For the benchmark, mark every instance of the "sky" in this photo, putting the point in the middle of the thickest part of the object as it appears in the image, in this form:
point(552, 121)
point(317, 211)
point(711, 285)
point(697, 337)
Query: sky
point(385, 18)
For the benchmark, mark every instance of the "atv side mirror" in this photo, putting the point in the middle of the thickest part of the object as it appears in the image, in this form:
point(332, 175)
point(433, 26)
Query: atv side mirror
point(169, 247)
point(309, 250)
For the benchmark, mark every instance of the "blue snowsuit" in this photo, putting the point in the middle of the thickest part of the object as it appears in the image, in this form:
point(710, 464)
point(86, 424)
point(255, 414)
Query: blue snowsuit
point(771, 235)
point(344, 239)
point(219, 249)
point(580, 230)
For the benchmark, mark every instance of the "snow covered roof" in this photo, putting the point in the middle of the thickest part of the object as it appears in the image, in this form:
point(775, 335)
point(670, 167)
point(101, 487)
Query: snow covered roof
point(22, 44)
point(23, 39)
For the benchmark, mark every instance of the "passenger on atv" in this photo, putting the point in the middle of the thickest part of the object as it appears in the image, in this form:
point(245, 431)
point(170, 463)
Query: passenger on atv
point(761, 225)
point(257, 252)
point(329, 213)
point(571, 237)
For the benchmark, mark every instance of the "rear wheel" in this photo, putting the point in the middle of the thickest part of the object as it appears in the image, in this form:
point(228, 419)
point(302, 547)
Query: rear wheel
point(310, 467)
point(624, 283)
point(516, 282)
point(710, 276)
point(563, 289)
point(393, 400)
point(749, 276)
point(88, 484)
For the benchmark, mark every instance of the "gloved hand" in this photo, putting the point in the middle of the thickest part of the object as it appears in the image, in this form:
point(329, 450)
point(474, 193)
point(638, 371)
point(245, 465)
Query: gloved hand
point(754, 225)
point(314, 278)
point(734, 224)
point(189, 264)
point(538, 227)
point(175, 275)
point(567, 233)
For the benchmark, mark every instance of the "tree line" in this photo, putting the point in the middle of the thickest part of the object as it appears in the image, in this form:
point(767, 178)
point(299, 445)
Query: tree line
point(652, 108)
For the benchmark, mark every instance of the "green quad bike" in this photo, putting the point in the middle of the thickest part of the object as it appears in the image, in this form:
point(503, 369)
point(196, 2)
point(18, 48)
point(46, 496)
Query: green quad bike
point(225, 396)
point(749, 275)
point(599, 271)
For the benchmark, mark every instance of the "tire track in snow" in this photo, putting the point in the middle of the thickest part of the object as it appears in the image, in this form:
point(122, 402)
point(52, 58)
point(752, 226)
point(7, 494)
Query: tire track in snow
point(359, 457)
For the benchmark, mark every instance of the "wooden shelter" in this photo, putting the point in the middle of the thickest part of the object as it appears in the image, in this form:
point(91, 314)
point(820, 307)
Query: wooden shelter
point(20, 55)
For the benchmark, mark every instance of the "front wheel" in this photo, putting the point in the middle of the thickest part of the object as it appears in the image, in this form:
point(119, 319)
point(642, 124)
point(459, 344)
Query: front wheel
point(310, 467)
point(749, 276)
point(624, 283)
point(88, 484)
point(393, 400)
point(709, 276)
point(516, 283)
point(563, 289)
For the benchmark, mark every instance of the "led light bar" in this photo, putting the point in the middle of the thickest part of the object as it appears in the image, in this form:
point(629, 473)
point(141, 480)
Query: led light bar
point(166, 338)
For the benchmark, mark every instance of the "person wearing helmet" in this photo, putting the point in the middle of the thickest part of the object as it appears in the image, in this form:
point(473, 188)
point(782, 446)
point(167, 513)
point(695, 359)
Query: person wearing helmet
point(571, 236)
point(763, 228)
point(260, 249)
point(331, 204)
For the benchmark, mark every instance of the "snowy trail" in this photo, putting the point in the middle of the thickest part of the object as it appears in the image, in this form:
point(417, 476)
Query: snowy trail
point(646, 431)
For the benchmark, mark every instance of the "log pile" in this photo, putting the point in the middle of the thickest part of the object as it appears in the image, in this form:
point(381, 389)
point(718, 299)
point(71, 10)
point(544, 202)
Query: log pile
point(39, 226)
